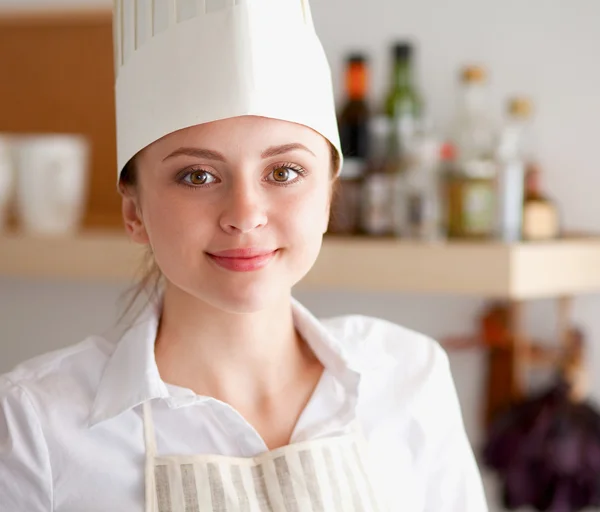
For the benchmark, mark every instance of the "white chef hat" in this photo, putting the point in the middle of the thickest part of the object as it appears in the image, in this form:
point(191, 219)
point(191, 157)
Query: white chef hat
point(181, 63)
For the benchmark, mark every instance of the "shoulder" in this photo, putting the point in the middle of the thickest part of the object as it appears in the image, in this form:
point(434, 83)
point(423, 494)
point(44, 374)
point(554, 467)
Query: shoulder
point(61, 374)
point(410, 410)
point(412, 367)
point(40, 401)
point(382, 340)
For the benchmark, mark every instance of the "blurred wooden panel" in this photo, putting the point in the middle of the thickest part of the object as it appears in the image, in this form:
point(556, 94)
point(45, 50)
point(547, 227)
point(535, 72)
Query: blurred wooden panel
point(56, 75)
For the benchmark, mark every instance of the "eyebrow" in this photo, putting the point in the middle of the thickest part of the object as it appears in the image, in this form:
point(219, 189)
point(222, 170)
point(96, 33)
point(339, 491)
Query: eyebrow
point(209, 154)
point(285, 148)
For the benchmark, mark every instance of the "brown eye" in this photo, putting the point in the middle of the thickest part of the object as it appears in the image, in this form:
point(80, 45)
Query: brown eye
point(282, 174)
point(285, 174)
point(198, 178)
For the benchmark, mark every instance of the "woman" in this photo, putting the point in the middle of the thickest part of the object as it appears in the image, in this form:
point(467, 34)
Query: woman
point(226, 394)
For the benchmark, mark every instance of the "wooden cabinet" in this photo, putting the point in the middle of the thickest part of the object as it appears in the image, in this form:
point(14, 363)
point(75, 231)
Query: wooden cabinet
point(57, 75)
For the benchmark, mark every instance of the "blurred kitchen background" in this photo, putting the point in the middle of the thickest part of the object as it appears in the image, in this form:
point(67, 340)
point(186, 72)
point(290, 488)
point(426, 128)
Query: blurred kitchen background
point(471, 76)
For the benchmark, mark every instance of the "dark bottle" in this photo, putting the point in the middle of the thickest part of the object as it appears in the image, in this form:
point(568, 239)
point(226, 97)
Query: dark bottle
point(354, 122)
point(403, 102)
point(403, 110)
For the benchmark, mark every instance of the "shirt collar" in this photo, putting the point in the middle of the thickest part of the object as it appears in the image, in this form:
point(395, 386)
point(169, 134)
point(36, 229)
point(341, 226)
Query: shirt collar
point(131, 376)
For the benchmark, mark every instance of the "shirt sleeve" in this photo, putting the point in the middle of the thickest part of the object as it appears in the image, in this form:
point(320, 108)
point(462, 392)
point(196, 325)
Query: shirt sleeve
point(453, 482)
point(25, 474)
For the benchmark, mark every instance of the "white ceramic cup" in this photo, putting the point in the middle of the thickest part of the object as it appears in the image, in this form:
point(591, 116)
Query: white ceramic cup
point(52, 177)
point(6, 178)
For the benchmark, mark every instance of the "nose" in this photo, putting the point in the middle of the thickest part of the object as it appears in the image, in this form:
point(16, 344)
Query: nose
point(244, 211)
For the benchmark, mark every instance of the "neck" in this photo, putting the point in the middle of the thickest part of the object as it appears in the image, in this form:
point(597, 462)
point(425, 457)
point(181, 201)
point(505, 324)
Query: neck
point(474, 99)
point(217, 353)
point(402, 74)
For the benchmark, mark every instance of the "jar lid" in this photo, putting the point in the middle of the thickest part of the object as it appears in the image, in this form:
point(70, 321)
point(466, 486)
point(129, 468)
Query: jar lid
point(473, 74)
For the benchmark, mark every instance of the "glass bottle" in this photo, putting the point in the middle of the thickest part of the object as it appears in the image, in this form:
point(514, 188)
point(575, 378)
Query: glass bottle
point(471, 190)
point(403, 108)
point(541, 220)
point(354, 122)
point(449, 186)
point(420, 179)
point(377, 194)
point(511, 170)
point(403, 102)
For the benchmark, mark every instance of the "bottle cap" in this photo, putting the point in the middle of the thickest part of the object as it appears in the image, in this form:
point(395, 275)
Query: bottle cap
point(520, 107)
point(357, 58)
point(403, 51)
point(357, 79)
point(473, 74)
point(447, 152)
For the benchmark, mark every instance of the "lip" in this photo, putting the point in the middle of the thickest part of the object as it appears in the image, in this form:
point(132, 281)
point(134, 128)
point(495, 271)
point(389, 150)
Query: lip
point(243, 260)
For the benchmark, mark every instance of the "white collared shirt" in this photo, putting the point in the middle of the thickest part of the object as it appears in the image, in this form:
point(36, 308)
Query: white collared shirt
point(71, 431)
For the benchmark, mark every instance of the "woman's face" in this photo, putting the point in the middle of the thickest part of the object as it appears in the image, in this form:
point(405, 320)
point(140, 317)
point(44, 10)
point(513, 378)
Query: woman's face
point(234, 210)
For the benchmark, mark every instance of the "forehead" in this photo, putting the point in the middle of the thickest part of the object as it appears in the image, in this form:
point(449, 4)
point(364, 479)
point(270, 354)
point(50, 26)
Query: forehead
point(248, 134)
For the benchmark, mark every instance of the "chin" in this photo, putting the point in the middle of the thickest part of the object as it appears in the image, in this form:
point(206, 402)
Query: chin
point(242, 293)
point(249, 300)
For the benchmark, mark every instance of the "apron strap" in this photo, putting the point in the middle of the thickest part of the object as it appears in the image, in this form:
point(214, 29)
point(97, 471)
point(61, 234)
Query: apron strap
point(172, 7)
point(149, 434)
point(307, 13)
point(150, 442)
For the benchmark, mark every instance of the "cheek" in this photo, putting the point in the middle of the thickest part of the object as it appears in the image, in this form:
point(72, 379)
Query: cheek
point(308, 212)
point(172, 210)
point(174, 225)
point(161, 216)
point(306, 220)
point(178, 232)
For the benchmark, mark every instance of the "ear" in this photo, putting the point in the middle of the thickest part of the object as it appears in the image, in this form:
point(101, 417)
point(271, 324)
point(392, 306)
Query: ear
point(332, 191)
point(327, 214)
point(132, 216)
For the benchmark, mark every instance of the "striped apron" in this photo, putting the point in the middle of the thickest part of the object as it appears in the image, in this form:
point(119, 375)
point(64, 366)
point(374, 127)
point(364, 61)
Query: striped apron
point(325, 475)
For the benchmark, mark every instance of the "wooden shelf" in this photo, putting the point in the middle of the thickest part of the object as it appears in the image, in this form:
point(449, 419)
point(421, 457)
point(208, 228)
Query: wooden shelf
point(490, 269)
point(92, 256)
point(520, 271)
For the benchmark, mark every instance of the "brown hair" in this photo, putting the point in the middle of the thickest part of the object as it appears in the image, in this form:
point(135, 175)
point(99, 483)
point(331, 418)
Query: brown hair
point(151, 275)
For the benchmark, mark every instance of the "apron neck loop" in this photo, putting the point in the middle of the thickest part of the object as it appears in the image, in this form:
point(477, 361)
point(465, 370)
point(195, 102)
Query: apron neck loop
point(149, 433)
point(150, 441)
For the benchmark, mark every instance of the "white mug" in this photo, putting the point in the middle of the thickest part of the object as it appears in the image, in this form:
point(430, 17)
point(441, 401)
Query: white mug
point(52, 177)
point(6, 179)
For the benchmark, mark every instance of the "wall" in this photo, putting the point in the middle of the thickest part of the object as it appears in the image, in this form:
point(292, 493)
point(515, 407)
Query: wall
point(548, 49)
